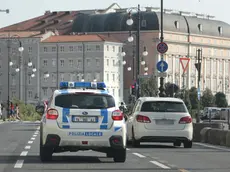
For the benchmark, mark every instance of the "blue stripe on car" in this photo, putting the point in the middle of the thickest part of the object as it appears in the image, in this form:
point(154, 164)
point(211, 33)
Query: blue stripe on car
point(65, 118)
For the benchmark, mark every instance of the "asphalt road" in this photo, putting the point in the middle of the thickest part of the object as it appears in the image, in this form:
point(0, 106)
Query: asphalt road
point(19, 151)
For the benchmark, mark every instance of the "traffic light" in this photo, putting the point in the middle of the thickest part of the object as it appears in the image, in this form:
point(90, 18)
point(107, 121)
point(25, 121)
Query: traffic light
point(133, 89)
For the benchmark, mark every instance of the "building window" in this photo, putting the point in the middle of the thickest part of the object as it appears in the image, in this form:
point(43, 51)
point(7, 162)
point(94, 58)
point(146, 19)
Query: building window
point(71, 77)
point(29, 80)
point(107, 48)
point(45, 91)
point(177, 24)
point(200, 27)
point(53, 62)
point(113, 48)
point(45, 49)
point(113, 92)
point(62, 62)
point(62, 77)
point(71, 63)
point(97, 62)
point(79, 63)
point(220, 29)
point(113, 77)
point(107, 62)
point(114, 63)
point(71, 48)
point(62, 49)
point(98, 47)
point(30, 49)
point(88, 48)
point(30, 94)
point(107, 77)
point(88, 62)
point(119, 92)
point(45, 62)
point(79, 48)
point(89, 76)
point(53, 77)
point(13, 93)
point(97, 76)
point(13, 80)
point(45, 79)
point(53, 49)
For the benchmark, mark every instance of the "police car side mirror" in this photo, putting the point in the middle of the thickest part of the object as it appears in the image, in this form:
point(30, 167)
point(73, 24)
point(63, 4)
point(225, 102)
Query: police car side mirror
point(40, 109)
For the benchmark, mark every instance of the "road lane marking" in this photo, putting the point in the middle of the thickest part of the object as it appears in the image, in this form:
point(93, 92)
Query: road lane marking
point(35, 135)
point(32, 138)
point(160, 165)
point(27, 147)
point(127, 149)
point(24, 153)
point(183, 170)
point(30, 142)
point(19, 164)
point(213, 147)
point(139, 155)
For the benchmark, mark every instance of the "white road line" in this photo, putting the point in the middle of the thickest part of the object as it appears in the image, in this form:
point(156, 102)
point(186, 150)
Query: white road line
point(27, 147)
point(19, 164)
point(32, 138)
point(24, 153)
point(35, 135)
point(160, 165)
point(30, 142)
point(127, 149)
point(211, 146)
point(139, 155)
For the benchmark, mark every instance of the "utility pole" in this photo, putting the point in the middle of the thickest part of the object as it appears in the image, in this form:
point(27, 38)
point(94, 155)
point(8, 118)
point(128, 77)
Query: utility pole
point(161, 88)
point(198, 67)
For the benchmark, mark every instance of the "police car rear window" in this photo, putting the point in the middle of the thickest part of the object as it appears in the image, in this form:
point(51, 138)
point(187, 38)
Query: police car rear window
point(84, 101)
point(163, 106)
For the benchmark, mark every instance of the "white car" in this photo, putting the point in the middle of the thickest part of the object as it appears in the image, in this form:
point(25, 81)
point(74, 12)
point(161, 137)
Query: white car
point(160, 119)
point(83, 116)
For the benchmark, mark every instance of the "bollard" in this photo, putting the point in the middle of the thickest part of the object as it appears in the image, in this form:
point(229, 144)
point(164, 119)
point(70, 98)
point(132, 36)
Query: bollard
point(228, 119)
point(210, 116)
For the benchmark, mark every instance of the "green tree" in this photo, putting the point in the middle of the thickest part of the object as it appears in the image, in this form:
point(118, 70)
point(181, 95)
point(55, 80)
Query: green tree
point(184, 95)
point(220, 100)
point(193, 97)
point(207, 98)
point(171, 89)
point(148, 87)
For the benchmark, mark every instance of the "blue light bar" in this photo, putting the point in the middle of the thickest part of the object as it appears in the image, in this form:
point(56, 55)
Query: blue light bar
point(90, 85)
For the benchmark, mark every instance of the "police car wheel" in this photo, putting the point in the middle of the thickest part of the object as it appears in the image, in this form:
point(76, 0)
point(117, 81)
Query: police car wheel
point(109, 154)
point(45, 154)
point(119, 155)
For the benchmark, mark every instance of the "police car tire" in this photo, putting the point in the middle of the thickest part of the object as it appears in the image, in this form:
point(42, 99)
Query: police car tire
point(119, 155)
point(188, 144)
point(45, 154)
point(109, 154)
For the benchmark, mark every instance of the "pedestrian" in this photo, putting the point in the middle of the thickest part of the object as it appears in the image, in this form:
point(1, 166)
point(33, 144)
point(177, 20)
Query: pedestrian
point(1, 110)
point(12, 112)
point(17, 112)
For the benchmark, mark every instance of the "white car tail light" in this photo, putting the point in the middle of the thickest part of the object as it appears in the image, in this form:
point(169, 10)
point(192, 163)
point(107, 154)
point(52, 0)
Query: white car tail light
point(143, 119)
point(117, 115)
point(185, 120)
point(52, 114)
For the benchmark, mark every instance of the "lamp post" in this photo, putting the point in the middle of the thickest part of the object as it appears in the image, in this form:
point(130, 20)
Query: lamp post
point(130, 22)
point(10, 39)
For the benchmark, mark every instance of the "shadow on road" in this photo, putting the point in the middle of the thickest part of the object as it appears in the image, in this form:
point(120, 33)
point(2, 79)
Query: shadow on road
point(155, 146)
point(24, 129)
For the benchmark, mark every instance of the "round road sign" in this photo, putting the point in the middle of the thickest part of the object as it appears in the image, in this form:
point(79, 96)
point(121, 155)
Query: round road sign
point(162, 47)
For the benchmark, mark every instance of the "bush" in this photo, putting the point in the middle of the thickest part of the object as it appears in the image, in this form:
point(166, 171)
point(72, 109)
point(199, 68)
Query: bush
point(27, 111)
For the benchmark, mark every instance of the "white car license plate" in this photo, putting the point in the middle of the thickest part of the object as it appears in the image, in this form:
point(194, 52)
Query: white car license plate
point(87, 119)
point(164, 122)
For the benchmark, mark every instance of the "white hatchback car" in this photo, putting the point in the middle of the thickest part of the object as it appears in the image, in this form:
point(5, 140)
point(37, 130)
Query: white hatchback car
point(83, 116)
point(160, 119)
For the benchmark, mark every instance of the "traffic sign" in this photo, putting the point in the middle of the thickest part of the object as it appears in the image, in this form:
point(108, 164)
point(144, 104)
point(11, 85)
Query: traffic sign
point(162, 47)
point(184, 63)
point(162, 66)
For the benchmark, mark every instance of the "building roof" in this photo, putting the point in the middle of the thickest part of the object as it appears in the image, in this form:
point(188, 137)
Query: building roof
point(80, 38)
point(117, 22)
point(21, 34)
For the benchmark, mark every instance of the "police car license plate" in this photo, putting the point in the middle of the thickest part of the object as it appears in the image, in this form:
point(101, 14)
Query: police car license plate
point(89, 119)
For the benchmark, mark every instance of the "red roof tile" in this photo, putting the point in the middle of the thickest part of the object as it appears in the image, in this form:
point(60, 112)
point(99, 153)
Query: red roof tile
point(79, 38)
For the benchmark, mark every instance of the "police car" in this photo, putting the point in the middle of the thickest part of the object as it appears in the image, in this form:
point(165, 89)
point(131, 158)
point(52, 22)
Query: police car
point(83, 116)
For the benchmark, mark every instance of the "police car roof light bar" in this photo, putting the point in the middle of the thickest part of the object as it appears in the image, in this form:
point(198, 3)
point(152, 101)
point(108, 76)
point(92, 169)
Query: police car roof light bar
point(89, 85)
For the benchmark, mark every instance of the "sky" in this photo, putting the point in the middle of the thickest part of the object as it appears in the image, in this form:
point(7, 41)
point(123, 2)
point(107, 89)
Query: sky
point(21, 10)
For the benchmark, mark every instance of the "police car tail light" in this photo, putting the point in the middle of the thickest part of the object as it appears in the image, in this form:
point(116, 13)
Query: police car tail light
point(117, 115)
point(185, 120)
point(52, 114)
point(143, 119)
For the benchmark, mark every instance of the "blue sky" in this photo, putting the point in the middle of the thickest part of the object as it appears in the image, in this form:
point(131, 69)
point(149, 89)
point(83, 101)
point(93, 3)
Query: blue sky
point(21, 10)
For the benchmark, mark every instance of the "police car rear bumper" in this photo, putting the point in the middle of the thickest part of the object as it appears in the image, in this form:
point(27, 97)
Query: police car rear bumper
point(83, 138)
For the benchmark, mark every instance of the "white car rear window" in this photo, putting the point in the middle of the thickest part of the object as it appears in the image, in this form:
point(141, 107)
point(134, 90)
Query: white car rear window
point(85, 101)
point(163, 106)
